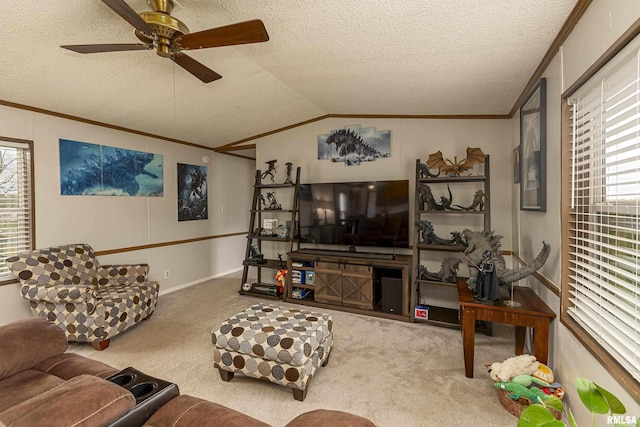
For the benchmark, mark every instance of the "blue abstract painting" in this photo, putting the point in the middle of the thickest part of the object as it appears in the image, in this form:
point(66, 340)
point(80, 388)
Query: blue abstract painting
point(99, 170)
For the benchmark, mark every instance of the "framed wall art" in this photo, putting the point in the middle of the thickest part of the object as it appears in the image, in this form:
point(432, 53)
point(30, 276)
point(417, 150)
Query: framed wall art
point(354, 145)
point(516, 165)
point(99, 170)
point(193, 200)
point(533, 150)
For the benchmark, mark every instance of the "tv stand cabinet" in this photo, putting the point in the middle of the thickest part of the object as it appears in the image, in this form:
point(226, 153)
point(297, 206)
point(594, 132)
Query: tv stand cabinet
point(350, 282)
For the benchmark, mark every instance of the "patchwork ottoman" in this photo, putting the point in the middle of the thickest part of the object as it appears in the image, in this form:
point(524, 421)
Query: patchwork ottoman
point(282, 345)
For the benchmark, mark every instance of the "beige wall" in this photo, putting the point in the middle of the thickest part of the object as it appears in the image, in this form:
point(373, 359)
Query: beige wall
point(411, 139)
point(117, 222)
point(602, 24)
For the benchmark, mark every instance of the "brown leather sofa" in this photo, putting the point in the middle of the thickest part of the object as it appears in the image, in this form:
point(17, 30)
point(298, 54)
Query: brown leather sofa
point(42, 384)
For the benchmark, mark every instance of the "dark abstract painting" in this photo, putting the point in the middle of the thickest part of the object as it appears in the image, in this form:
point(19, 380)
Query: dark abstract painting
point(192, 192)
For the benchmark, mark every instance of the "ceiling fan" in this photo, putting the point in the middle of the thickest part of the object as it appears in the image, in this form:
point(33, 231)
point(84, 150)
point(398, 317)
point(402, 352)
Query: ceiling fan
point(159, 30)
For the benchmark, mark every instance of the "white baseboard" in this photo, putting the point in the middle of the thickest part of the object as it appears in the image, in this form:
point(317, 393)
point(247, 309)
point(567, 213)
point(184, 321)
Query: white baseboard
point(195, 282)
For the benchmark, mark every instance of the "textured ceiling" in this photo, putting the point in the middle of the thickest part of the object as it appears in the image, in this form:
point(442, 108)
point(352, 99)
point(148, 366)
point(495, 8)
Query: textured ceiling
point(414, 57)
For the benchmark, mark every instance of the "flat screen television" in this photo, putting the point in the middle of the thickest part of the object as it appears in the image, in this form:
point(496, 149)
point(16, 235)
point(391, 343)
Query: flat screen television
point(374, 213)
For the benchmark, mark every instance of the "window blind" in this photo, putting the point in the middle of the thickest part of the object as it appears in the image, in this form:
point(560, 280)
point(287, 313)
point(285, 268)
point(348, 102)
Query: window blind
point(604, 220)
point(15, 201)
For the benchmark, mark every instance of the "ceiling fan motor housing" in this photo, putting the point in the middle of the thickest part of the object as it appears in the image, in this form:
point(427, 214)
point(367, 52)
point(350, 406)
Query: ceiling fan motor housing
point(165, 26)
point(170, 36)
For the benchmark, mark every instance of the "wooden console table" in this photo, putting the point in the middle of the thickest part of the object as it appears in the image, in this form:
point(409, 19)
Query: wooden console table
point(351, 282)
point(532, 313)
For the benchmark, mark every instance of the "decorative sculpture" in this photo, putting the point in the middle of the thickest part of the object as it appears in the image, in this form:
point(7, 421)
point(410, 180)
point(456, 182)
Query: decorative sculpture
point(428, 202)
point(429, 236)
point(289, 180)
point(448, 271)
point(272, 202)
point(457, 237)
point(477, 204)
point(425, 197)
point(479, 242)
point(282, 232)
point(423, 170)
point(486, 288)
point(445, 204)
point(271, 169)
point(255, 255)
point(455, 167)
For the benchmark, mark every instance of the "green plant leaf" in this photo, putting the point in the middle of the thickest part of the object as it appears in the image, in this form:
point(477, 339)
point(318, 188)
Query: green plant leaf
point(555, 403)
point(591, 397)
point(572, 421)
point(615, 406)
point(538, 416)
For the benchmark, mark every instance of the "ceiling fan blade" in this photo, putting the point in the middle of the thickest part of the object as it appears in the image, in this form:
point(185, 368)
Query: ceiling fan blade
point(194, 67)
point(129, 15)
point(98, 48)
point(240, 33)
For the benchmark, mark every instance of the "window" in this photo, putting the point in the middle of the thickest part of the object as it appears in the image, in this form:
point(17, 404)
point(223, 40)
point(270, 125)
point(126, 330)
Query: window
point(602, 225)
point(16, 205)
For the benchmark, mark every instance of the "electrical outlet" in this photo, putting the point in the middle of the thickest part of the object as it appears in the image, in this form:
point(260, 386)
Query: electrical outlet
point(166, 274)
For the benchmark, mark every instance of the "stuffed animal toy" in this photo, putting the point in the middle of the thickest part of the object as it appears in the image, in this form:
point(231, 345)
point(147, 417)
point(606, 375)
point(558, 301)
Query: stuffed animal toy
point(528, 380)
point(525, 364)
point(281, 277)
point(534, 394)
point(544, 373)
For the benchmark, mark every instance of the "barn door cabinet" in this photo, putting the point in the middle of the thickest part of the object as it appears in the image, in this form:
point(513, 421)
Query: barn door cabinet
point(357, 284)
point(344, 284)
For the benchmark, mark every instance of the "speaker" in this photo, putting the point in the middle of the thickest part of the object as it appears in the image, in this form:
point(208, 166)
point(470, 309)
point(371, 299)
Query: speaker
point(391, 295)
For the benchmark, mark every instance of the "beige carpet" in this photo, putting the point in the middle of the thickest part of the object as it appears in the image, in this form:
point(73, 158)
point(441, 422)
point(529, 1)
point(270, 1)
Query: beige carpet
point(394, 373)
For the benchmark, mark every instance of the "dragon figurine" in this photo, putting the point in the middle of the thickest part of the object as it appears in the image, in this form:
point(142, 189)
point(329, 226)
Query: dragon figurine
point(478, 242)
point(429, 236)
point(424, 172)
point(457, 237)
point(428, 202)
point(445, 204)
point(455, 167)
point(448, 271)
point(425, 197)
point(477, 204)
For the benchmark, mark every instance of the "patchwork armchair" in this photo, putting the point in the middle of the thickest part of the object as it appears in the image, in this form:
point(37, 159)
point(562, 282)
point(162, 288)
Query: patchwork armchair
point(88, 301)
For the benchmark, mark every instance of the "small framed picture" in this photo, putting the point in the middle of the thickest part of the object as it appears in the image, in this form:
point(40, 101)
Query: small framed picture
point(269, 225)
